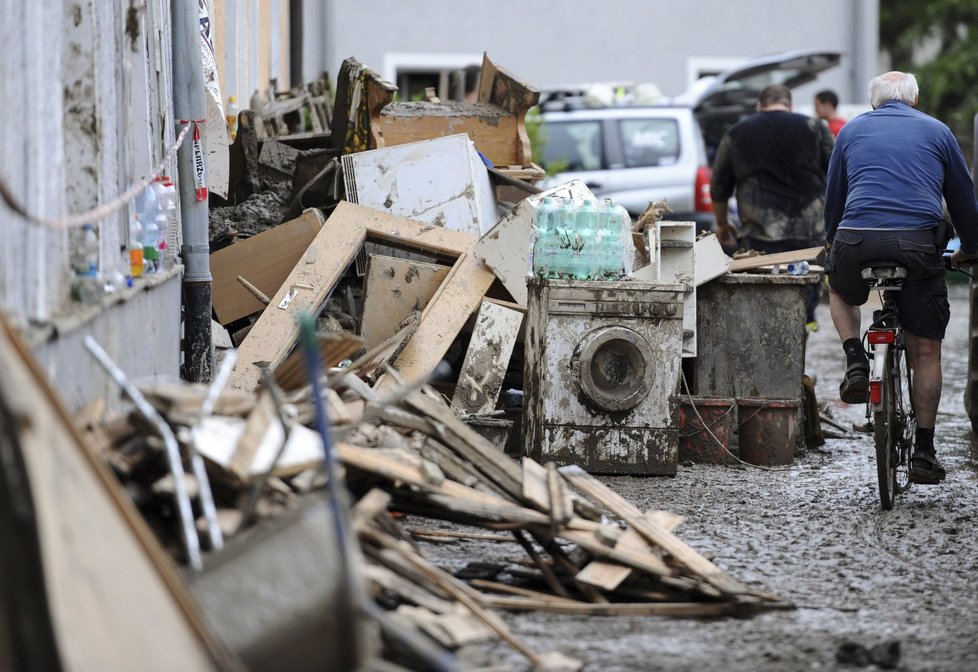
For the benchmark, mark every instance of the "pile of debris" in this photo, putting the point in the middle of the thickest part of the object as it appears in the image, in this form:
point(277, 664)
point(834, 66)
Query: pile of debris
point(588, 550)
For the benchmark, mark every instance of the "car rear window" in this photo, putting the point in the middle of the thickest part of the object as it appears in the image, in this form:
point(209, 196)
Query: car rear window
point(649, 142)
point(573, 145)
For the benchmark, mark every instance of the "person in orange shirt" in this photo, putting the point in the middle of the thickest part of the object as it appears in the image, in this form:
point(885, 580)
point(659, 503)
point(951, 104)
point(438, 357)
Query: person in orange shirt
point(826, 103)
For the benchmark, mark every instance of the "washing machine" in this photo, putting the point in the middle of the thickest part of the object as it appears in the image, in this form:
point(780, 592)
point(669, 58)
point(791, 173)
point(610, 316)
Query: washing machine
point(601, 377)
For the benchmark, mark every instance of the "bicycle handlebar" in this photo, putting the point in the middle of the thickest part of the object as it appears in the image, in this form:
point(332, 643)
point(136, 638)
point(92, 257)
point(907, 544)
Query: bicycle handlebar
point(967, 262)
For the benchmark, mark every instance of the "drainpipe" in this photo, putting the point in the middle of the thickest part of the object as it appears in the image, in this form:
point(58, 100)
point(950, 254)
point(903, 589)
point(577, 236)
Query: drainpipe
point(188, 103)
point(295, 44)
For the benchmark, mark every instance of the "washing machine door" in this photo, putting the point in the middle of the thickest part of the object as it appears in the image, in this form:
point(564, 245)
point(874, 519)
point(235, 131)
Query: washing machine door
point(614, 368)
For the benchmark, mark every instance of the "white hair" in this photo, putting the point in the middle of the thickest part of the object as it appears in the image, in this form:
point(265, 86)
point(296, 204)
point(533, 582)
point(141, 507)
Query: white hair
point(900, 86)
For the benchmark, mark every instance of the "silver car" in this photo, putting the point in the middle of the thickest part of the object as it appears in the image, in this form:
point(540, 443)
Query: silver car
point(638, 155)
point(634, 155)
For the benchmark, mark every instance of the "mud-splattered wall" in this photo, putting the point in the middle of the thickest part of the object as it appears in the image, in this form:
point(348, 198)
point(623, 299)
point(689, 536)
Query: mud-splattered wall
point(88, 112)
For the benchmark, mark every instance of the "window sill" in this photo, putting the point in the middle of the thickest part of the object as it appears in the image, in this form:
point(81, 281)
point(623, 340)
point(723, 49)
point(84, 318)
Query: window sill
point(75, 314)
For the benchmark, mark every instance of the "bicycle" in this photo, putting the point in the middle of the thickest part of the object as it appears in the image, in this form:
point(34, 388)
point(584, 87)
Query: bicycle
point(890, 406)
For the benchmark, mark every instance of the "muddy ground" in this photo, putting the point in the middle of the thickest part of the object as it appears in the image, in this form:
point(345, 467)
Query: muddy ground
point(813, 534)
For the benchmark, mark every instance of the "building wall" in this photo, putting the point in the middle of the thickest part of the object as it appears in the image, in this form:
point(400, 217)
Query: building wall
point(93, 115)
point(561, 42)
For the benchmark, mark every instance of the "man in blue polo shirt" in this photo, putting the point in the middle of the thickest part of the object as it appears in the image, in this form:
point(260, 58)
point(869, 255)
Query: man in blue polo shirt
point(890, 173)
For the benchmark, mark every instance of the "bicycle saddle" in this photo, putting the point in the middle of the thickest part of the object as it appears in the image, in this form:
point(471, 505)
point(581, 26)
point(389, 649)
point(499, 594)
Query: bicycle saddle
point(883, 272)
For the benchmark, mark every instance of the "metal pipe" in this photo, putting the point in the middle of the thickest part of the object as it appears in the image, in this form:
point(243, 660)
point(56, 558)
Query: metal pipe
point(295, 43)
point(189, 105)
point(172, 449)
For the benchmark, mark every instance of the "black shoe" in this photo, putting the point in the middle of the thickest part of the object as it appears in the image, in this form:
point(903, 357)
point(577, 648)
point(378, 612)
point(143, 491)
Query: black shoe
point(926, 469)
point(855, 386)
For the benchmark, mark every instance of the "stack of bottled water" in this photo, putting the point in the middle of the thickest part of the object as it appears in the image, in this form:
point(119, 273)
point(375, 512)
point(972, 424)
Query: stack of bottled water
point(581, 240)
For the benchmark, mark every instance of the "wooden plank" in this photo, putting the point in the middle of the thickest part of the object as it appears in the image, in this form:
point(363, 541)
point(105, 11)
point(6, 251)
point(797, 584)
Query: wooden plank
point(668, 542)
point(97, 550)
point(470, 445)
point(251, 259)
point(608, 576)
point(535, 484)
point(441, 321)
point(490, 348)
point(323, 264)
point(498, 587)
point(673, 609)
point(393, 288)
point(561, 505)
point(494, 131)
point(477, 500)
point(814, 255)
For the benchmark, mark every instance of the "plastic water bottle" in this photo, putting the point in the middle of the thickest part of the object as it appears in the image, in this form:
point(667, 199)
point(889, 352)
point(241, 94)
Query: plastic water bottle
point(626, 246)
point(150, 238)
point(609, 241)
point(800, 268)
point(135, 249)
point(147, 216)
point(86, 259)
point(231, 115)
point(546, 240)
point(582, 265)
point(166, 194)
point(87, 286)
point(562, 227)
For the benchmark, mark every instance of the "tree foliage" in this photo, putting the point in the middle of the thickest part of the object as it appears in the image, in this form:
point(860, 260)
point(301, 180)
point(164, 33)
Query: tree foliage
point(938, 41)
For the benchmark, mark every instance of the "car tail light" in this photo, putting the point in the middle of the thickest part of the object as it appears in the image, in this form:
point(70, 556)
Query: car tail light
point(876, 337)
point(876, 391)
point(703, 202)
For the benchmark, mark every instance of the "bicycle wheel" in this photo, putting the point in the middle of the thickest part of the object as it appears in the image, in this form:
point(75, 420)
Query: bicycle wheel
point(906, 421)
point(886, 432)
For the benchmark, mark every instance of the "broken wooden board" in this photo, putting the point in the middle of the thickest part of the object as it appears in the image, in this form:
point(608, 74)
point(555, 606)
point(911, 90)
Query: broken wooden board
point(813, 255)
point(115, 601)
point(220, 440)
point(293, 372)
point(505, 247)
point(405, 233)
point(668, 542)
point(441, 321)
point(393, 288)
point(498, 87)
point(264, 260)
point(608, 576)
point(481, 377)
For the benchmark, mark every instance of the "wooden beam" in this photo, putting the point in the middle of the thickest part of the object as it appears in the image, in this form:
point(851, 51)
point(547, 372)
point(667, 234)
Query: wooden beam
point(814, 255)
point(97, 549)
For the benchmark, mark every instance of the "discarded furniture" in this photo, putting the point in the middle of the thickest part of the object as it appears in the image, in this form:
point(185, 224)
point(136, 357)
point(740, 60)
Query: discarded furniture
point(602, 373)
point(366, 118)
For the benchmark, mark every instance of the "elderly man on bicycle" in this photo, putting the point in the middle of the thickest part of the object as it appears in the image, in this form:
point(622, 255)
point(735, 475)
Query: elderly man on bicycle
point(890, 173)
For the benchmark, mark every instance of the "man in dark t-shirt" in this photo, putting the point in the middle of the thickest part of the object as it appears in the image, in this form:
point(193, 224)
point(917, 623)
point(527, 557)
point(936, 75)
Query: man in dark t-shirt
point(776, 160)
